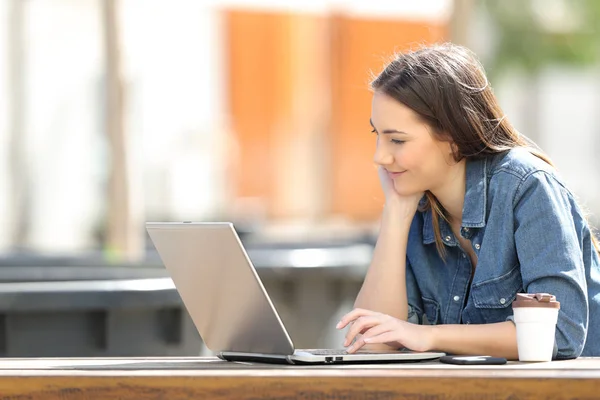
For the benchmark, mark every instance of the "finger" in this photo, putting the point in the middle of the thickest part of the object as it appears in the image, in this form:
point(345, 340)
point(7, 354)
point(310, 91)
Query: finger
point(384, 337)
point(353, 315)
point(361, 341)
point(359, 326)
point(377, 330)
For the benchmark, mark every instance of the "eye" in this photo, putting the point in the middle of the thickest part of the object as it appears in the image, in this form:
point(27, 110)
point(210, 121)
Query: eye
point(374, 131)
point(396, 141)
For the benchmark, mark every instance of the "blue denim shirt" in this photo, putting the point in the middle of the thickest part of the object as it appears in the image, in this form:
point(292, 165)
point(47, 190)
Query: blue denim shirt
point(529, 235)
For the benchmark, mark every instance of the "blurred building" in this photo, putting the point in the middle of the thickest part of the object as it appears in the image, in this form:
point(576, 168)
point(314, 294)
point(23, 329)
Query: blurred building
point(229, 110)
point(252, 110)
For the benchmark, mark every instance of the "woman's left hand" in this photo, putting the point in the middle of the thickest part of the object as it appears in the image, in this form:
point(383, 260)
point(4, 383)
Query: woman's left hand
point(381, 328)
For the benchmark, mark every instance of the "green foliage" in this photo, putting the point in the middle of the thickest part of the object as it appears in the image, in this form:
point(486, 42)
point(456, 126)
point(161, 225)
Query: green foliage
point(534, 33)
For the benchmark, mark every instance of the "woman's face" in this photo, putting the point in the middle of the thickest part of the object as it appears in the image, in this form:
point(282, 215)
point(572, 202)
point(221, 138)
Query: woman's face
point(407, 149)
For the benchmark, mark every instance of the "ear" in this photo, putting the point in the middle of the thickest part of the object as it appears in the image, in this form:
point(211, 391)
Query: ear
point(454, 149)
point(454, 152)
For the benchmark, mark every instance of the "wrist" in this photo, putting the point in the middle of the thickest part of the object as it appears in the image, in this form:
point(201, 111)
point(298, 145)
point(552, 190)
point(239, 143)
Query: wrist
point(399, 211)
point(434, 338)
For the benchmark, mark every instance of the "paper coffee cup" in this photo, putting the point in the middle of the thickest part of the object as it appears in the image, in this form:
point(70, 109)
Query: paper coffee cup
point(535, 316)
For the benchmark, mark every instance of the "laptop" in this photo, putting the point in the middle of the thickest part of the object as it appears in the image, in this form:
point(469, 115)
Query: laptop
point(229, 305)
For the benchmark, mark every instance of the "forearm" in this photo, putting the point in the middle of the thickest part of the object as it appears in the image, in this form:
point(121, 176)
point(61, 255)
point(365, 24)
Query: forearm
point(498, 340)
point(384, 287)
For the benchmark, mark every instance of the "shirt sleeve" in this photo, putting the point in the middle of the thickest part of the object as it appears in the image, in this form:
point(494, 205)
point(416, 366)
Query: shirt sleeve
point(549, 235)
point(413, 295)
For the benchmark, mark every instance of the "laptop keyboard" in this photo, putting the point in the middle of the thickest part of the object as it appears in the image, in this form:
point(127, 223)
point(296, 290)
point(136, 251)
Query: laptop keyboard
point(327, 352)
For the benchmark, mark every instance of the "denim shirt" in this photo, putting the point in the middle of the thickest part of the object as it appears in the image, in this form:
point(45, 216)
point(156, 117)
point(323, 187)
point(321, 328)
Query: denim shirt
point(529, 236)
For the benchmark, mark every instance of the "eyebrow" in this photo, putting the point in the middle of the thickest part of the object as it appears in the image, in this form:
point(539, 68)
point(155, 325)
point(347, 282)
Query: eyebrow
point(387, 130)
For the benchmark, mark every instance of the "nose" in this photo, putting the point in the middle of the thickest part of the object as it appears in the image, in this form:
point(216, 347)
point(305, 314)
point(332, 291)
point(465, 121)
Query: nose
point(382, 156)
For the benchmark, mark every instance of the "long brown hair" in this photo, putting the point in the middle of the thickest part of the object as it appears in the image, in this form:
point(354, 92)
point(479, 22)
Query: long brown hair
point(447, 87)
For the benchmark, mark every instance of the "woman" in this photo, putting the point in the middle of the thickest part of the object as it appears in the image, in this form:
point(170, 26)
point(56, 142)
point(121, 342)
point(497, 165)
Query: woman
point(473, 215)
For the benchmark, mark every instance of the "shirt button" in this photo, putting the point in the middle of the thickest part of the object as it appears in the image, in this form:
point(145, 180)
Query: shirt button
point(464, 255)
point(448, 238)
point(502, 300)
point(466, 229)
point(456, 298)
point(477, 246)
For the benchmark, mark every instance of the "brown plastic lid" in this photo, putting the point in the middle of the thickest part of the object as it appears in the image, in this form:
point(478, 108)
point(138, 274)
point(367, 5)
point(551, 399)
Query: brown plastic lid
point(545, 300)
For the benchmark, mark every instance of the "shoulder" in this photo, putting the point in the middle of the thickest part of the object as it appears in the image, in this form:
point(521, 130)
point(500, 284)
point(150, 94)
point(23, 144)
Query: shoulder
point(519, 168)
point(520, 163)
point(519, 174)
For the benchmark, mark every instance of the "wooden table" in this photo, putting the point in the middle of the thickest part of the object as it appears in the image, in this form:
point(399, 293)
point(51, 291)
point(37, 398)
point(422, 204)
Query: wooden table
point(210, 378)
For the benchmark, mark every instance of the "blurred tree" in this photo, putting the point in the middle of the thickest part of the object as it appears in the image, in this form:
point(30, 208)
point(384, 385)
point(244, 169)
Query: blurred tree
point(461, 21)
point(19, 195)
point(535, 33)
point(124, 242)
point(532, 34)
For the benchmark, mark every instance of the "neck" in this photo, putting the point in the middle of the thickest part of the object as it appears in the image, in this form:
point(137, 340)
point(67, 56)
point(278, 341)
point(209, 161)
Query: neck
point(451, 194)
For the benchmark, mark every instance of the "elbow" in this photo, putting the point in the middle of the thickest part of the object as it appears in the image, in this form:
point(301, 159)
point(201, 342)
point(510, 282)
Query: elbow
point(568, 353)
point(571, 333)
point(570, 346)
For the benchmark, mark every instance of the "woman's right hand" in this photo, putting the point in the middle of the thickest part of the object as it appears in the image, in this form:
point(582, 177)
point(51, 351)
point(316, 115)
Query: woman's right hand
point(408, 204)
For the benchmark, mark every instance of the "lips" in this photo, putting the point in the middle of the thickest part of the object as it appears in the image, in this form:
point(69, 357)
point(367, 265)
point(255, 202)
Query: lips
point(395, 174)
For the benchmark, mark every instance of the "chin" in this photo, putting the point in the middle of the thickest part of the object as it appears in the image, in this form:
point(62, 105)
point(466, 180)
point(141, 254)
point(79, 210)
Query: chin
point(406, 191)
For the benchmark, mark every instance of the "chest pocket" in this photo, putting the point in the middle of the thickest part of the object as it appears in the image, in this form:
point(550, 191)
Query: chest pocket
point(493, 298)
point(431, 314)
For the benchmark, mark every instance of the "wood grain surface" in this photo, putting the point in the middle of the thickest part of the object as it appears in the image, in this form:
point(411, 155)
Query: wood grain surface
point(50, 379)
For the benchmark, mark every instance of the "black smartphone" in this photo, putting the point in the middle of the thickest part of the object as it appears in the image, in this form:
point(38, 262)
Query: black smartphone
point(473, 360)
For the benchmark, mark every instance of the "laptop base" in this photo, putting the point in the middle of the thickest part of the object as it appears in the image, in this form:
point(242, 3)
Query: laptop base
point(306, 358)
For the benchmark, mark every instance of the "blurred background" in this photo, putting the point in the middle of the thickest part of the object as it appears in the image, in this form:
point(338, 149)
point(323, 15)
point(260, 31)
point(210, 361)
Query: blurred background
point(118, 112)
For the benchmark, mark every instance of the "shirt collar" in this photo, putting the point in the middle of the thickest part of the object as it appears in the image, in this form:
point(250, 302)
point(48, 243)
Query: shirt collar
point(475, 204)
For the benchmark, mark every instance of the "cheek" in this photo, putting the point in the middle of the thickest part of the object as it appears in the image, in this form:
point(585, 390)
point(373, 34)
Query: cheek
point(426, 166)
point(407, 156)
point(432, 171)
